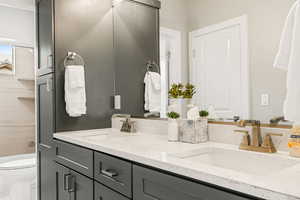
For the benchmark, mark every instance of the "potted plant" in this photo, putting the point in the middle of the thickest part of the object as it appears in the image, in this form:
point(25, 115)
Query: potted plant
point(189, 91)
point(173, 132)
point(176, 91)
point(180, 97)
point(203, 114)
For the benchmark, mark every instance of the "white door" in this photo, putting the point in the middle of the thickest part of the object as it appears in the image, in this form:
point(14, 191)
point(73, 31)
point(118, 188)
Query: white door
point(219, 70)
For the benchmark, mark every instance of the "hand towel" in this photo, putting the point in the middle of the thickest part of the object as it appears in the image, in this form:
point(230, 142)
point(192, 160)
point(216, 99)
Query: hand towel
point(75, 95)
point(152, 82)
point(288, 58)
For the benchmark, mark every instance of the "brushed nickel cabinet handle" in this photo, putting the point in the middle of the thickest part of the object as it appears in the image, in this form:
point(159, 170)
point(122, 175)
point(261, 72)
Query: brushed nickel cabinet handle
point(69, 183)
point(49, 61)
point(109, 172)
point(49, 84)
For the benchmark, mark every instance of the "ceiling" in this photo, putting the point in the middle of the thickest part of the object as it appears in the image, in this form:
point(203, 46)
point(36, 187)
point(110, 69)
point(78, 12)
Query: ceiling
point(19, 4)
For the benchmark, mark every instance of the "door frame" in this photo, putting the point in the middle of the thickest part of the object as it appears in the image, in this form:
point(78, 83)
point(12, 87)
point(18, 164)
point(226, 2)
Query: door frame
point(241, 21)
point(175, 36)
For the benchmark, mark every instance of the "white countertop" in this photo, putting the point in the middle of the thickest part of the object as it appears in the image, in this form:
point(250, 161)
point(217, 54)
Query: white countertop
point(156, 151)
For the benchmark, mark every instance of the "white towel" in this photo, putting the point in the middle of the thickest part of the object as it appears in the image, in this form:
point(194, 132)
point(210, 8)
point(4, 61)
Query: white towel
point(75, 95)
point(152, 82)
point(288, 58)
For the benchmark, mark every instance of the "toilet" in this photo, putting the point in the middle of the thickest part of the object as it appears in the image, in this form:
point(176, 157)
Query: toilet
point(18, 177)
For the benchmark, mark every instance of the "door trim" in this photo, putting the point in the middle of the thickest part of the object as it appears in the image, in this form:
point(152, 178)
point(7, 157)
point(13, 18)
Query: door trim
point(242, 21)
point(176, 39)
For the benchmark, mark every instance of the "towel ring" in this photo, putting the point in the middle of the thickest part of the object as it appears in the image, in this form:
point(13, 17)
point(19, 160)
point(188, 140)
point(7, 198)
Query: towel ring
point(151, 64)
point(71, 56)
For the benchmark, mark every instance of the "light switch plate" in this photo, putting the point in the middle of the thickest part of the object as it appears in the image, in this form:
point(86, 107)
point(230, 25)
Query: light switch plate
point(265, 100)
point(117, 102)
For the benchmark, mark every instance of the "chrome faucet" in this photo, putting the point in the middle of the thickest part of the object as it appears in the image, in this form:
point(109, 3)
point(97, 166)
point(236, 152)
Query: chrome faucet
point(256, 143)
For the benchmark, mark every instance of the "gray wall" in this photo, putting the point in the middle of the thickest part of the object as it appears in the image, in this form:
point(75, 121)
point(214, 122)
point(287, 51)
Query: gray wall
point(266, 19)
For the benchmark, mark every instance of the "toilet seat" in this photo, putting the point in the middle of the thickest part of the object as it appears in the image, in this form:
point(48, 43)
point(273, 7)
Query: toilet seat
point(18, 164)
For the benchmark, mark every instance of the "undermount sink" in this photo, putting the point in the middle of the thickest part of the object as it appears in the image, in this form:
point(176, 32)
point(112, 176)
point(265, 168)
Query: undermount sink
point(238, 160)
point(92, 134)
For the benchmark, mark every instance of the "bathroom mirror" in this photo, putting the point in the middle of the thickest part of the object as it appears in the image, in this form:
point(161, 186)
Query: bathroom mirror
point(226, 49)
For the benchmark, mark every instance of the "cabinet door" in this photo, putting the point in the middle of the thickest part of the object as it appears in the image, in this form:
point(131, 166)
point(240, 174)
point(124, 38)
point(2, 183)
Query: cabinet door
point(64, 183)
point(83, 187)
point(45, 127)
point(46, 174)
point(136, 36)
point(44, 10)
point(72, 185)
point(104, 193)
point(152, 185)
point(45, 108)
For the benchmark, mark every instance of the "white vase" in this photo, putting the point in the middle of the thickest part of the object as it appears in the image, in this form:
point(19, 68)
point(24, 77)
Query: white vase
point(173, 132)
point(180, 106)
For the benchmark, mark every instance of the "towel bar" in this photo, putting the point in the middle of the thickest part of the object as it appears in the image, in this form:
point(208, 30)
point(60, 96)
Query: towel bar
point(151, 64)
point(72, 56)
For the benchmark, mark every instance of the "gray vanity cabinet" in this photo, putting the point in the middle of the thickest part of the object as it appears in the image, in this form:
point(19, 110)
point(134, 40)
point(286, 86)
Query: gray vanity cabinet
point(118, 179)
point(44, 12)
point(71, 185)
point(45, 129)
point(136, 36)
point(153, 185)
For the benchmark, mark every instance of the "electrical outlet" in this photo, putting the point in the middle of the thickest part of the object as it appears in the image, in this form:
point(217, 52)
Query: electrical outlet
point(265, 100)
point(117, 102)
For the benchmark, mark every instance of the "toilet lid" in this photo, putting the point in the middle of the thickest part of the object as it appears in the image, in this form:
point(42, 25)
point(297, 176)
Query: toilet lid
point(18, 164)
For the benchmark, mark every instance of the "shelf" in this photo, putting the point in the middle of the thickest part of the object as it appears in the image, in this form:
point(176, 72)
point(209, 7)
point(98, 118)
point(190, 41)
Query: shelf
point(17, 125)
point(26, 79)
point(26, 97)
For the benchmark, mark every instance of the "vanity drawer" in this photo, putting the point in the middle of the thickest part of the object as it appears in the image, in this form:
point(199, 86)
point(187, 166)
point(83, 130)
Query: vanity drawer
point(77, 158)
point(114, 173)
point(150, 184)
point(104, 193)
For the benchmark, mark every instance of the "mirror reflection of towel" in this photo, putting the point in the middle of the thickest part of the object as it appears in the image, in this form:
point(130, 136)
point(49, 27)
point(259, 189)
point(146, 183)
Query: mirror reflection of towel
point(152, 82)
point(288, 58)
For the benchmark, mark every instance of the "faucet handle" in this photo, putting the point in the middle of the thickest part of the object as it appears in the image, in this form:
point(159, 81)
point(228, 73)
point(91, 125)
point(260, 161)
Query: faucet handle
point(274, 134)
point(246, 137)
point(241, 123)
point(268, 143)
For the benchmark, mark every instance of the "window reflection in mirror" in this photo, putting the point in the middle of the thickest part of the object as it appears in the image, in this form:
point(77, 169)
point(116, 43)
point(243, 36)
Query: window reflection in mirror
point(6, 59)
